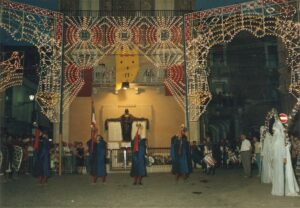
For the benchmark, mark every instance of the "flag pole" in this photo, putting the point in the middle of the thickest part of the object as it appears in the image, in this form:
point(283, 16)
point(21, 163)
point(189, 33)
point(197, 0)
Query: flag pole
point(186, 98)
point(61, 97)
point(92, 106)
point(92, 126)
point(284, 181)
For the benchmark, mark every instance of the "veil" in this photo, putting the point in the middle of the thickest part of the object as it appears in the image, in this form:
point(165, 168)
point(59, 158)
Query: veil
point(278, 130)
point(282, 179)
point(266, 139)
point(278, 155)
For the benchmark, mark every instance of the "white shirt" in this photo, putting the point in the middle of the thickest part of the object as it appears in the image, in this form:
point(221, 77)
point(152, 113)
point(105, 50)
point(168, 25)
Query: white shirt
point(30, 150)
point(246, 145)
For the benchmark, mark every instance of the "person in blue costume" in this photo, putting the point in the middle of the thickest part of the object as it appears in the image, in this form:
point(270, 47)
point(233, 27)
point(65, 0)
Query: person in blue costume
point(97, 150)
point(181, 155)
point(138, 167)
point(42, 157)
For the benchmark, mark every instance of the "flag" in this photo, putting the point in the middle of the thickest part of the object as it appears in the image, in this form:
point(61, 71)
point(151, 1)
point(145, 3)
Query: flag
point(93, 114)
point(127, 65)
point(93, 126)
point(136, 141)
point(37, 134)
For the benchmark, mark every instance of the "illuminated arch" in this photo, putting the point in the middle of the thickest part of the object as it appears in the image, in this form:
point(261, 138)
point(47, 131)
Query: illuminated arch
point(43, 29)
point(217, 26)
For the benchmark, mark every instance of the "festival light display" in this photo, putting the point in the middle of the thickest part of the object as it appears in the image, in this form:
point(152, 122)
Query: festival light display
point(90, 39)
point(43, 29)
point(206, 29)
point(158, 38)
point(11, 71)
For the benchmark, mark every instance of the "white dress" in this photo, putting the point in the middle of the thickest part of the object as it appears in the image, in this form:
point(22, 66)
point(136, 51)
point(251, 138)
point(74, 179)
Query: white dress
point(266, 172)
point(291, 186)
point(278, 156)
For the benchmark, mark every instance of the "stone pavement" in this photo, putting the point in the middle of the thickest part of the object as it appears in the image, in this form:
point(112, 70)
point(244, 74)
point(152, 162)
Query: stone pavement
point(228, 188)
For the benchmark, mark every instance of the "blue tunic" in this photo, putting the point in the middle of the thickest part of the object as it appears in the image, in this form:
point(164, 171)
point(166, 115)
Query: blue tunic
point(42, 158)
point(180, 155)
point(138, 167)
point(98, 158)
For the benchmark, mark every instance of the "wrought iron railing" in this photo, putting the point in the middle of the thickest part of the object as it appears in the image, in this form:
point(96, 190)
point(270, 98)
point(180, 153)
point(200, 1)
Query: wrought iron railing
point(156, 158)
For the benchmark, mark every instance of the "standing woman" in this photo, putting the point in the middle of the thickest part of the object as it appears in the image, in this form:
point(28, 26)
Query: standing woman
point(42, 154)
point(278, 158)
point(180, 155)
point(257, 152)
point(98, 158)
point(291, 186)
point(138, 148)
point(266, 153)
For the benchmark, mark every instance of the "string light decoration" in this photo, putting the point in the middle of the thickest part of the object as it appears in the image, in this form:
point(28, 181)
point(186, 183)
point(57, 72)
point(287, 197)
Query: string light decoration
point(163, 40)
point(159, 39)
point(43, 29)
point(87, 41)
point(90, 39)
point(175, 83)
point(74, 81)
point(205, 29)
point(83, 41)
point(11, 71)
point(294, 112)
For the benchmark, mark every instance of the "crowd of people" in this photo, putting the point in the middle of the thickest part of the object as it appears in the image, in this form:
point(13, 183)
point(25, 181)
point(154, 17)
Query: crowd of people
point(74, 156)
point(275, 158)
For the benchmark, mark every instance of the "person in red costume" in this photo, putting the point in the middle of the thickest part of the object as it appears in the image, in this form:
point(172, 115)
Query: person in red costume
point(138, 148)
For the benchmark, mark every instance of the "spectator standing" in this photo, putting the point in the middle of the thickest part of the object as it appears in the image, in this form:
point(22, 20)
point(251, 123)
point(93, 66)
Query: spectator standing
point(246, 155)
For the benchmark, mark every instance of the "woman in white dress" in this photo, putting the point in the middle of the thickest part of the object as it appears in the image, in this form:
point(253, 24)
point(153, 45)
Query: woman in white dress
point(278, 159)
point(266, 138)
point(281, 157)
point(291, 187)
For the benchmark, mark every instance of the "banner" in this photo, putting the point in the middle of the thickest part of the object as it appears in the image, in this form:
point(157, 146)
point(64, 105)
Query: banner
point(127, 65)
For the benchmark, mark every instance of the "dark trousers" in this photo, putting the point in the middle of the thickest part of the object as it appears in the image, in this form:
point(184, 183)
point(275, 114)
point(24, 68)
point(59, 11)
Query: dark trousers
point(246, 161)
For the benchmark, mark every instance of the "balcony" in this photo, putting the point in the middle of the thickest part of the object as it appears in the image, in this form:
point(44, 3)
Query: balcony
point(126, 13)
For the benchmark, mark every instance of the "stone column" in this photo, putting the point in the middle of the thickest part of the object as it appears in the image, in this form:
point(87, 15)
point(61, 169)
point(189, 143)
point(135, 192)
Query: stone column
point(194, 131)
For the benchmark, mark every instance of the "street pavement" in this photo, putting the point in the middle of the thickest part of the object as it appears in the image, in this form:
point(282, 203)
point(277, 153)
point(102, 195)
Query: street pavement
point(228, 188)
